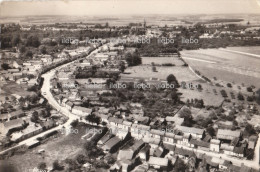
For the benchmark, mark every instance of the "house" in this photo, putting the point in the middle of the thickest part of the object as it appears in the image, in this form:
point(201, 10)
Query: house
point(194, 132)
point(158, 151)
point(16, 114)
point(120, 133)
point(144, 153)
point(178, 139)
point(4, 117)
point(169, 147)
point(17, 75)
point(103, 117)
point(32, 82)
point(111, 145)
point(104, 139)
point(139, 131)
point(184, 153)
point(29, 131)
point(137, 146)
point(200, 144)
point(239, 152)
point(214, 145)
point(127, 125)
point(158, 163)
point(10, 126)
point(157, 134)
point(13, 70)
point(16, 65)
point(48, 124)
point(69, 105)
point(174, 119)
point(168, 137)
point(252, 142)
point(228, 150)
point(115, 122)
point(186, 139)
point(228, 134)
point(64, 101)
point(81, 111)
point(127, 154)
point(123, 165)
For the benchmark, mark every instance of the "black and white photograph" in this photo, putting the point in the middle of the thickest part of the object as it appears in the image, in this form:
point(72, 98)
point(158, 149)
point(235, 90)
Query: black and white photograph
point(129, 85)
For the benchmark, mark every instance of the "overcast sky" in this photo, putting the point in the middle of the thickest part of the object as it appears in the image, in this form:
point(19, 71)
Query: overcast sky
point(128, 7)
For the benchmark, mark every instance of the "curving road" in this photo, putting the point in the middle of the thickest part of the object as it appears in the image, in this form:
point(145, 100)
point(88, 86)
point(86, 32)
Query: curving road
point(47, 94)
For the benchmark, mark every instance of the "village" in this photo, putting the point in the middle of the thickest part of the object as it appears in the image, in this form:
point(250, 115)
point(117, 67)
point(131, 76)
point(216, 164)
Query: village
point(142, 121)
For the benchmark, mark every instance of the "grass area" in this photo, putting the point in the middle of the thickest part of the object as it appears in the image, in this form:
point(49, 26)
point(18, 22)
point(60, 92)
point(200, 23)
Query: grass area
point(14, 88)
point(181, 73)
point(56, 148)
point(162, 60)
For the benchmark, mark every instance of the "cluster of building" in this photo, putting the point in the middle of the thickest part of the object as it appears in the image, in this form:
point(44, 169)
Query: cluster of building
point(161, 148)
point(18, 126)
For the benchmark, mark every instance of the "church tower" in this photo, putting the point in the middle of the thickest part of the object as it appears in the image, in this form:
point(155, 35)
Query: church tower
point(144, 24)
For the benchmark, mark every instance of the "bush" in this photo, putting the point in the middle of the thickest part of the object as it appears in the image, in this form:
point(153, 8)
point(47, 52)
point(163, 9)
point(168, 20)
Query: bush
point(250, 98)
point(74, 123)
point(249, 89)
point(240, 97)
point(229, 85)
point(168, 64)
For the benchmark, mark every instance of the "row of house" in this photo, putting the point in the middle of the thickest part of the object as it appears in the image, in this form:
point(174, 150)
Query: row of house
point(181, 135)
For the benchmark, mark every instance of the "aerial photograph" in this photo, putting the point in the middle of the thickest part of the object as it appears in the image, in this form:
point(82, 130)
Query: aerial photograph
point(130, 86)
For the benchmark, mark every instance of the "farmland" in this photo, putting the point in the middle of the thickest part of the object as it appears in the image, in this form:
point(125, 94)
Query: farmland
point(226, 66)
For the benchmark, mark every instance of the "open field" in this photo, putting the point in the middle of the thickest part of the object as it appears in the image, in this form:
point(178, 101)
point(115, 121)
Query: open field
point(58, 148)
point(14, 88)
point(253, 49)
point(162, 60)
point(181, 73)
point(225, 66)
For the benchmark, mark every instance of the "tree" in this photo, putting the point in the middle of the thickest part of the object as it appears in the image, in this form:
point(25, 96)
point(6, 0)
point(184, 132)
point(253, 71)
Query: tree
point(57, 166)
point(42, 166)
point(81, 159)
point(33, 41)
point(22, 49)
point(180, 165)
point(223, 93)
point(250, 98)
point(154, 69)
point(249, 89)
point(188, 119)
point(74, 123)
point(240, 96)
point(43, 49)
point(211, 131)
point(249, 130)
point(133, 59)
point(229, 85)
point(16, 40)
point(35, 117)
point(171, 79)
point(5, 66)
point(258, 96)
point(29, 54)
